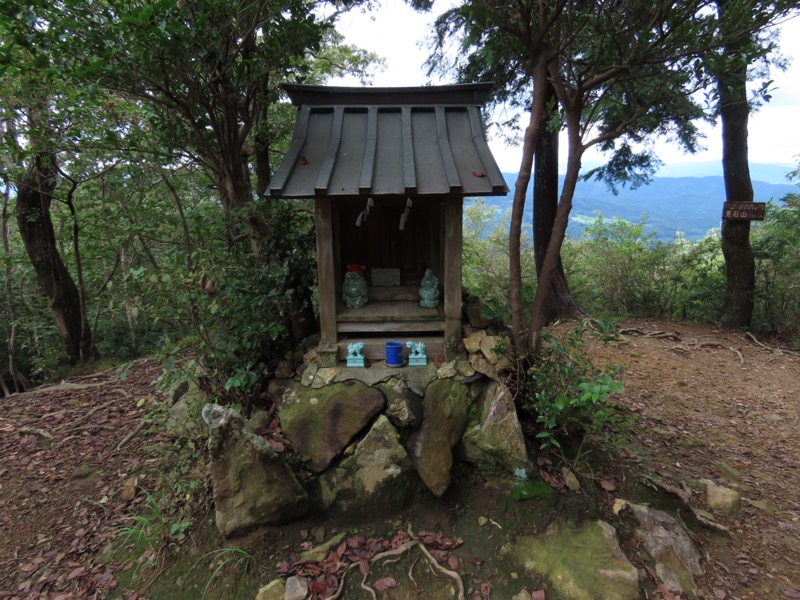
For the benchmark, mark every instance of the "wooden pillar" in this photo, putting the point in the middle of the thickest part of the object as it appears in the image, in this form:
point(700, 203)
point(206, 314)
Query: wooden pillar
point(452, 275)
point(323, 214)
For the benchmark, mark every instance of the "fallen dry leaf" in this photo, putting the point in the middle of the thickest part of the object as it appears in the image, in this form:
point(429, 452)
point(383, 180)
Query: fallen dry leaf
point(537, 595)
point(385, 583)
point(608, 484)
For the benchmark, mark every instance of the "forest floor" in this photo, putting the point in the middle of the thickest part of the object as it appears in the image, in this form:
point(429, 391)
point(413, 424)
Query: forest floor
point(709, 405)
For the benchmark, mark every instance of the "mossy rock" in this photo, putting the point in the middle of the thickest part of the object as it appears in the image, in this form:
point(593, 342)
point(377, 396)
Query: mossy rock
point(320, 423)
point(581, 564)
point(445, 410)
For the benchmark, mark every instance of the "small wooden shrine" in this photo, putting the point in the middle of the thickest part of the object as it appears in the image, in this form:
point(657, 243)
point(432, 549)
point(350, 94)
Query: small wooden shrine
point(388, 169)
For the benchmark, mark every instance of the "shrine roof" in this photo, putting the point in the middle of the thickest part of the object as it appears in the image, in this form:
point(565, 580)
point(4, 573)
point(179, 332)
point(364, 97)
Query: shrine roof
point(405, 141)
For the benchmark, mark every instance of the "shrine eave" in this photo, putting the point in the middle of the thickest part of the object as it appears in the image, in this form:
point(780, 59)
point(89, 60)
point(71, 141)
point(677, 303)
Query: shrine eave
point(373, 142)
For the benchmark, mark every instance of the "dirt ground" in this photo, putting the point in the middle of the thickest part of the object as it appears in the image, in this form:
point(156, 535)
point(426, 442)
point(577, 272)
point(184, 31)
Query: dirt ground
point(711, 405)
point(716, 405)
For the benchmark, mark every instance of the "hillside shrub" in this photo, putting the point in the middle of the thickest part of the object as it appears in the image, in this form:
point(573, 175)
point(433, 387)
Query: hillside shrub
point(237, 317)
point(567, 395)
point(485, 271)
point(617, 269)
point(776, 246)
point(621, 270)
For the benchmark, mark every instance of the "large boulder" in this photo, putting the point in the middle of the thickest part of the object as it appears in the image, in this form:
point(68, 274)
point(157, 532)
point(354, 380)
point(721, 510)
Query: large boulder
point(320, 423)
point(666, 540)
point(445, 409)
point(493, 441)
point(581, 564)
point(376, 476)
point(183, 416)
point(252, 484)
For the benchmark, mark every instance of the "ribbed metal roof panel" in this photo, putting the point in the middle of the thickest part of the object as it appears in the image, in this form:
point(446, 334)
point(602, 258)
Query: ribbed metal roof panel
point(388, 141)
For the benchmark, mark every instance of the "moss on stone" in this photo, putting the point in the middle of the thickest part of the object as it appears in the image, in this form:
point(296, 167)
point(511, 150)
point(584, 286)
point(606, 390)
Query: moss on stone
point(581, 564)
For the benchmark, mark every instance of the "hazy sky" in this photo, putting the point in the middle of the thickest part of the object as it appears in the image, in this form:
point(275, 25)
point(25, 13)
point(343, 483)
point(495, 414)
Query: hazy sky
point(396, 32)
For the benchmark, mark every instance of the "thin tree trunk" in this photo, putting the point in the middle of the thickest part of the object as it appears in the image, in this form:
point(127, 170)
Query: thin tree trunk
point(86, 334)
point(134, 221)
point(187, 242)
point(734, 115)
point(130, 307)
point(530, 141)
point(558, 302)
point(12, 308)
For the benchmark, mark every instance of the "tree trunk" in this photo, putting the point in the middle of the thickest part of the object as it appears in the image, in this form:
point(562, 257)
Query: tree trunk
point(530, 141)
point(34, 197)
point(560, 223)
point(559, 302)
point(239, 195)
point(734, 113)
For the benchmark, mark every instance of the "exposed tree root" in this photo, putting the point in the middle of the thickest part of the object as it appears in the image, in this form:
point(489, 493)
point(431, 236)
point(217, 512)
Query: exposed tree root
point(89, 428)
point(395, 554)
point(132, 433)
point(752, 338)
point(683, 494)
point(737, 353)
point(434, 563)
point(364, 586)
point(651, 334)
point(710, 345)
point(411, 576)
point(86, 416)
point(35, 431)
point(686, 347)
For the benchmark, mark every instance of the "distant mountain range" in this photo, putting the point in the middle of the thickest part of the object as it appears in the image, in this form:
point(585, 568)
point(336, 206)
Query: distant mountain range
point(688, 204)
